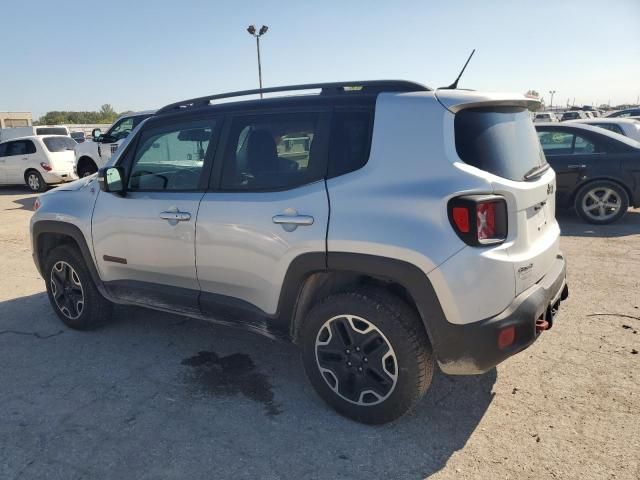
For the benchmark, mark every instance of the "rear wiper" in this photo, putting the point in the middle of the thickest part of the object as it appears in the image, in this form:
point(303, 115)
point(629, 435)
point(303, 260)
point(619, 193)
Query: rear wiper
point(536, 171)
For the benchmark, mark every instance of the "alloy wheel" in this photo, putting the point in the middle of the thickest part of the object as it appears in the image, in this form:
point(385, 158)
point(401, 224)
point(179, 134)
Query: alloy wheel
point(67, 290)
point(356, 360)
point(601, 203)
point(33, 181)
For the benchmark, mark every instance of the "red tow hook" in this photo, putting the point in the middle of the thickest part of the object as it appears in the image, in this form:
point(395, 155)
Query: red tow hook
point(541, 325)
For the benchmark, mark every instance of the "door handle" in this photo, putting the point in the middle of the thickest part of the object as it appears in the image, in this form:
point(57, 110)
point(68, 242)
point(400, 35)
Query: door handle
point(576, 167)
point(290, 220)
point(293, 219)
point(176, 216)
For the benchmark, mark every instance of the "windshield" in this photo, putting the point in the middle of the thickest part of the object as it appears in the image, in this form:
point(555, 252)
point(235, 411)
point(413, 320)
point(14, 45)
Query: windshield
point(59, 144)
point(123, 127)
point(499, 140)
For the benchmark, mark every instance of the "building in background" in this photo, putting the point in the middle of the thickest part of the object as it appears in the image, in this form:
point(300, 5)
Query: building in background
point(15, 119)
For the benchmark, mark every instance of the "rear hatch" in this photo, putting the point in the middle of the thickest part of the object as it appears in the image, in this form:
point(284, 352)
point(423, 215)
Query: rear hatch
point(496, 135)
point(60, 151)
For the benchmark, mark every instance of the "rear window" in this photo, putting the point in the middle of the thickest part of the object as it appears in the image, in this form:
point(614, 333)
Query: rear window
point(500, 140)
point(51, 131)
point(59, 144)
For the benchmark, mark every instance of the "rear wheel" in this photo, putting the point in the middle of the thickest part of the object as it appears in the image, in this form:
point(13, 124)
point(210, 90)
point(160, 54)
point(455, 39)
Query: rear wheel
point(87, 168)
point(71, 290)
point(367, 355)
point(601, 202)
point(34, 181)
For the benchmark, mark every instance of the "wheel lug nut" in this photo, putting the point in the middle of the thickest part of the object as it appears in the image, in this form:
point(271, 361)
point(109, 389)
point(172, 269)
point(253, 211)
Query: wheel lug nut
point(357, 349)
point(365, 359)
point(349, 364)
point(359, 369)
point(347, 351)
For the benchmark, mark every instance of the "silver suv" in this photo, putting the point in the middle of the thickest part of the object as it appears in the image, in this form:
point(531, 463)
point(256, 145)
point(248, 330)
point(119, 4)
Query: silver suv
point(381, 226)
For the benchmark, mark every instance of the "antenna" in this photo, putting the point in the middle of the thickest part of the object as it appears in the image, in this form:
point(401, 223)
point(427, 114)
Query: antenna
point(454, 85)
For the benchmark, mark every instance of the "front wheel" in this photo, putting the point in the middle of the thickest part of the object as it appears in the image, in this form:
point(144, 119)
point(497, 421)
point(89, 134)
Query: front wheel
point(87, 170)
point(367, 355)
point(35, 182)
point(601, 202)
point(71, 291)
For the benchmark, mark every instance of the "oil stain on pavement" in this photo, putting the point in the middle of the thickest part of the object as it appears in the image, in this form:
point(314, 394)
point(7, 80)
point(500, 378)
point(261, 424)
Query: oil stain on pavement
point(231, 375)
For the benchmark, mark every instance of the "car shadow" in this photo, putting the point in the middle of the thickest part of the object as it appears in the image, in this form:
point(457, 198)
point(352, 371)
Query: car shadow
point(572, 225)
point(23, 203)
point(162, 395)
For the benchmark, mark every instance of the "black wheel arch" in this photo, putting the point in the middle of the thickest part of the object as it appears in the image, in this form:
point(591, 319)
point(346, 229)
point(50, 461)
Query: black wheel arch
point(48, 234)
point(309, 279)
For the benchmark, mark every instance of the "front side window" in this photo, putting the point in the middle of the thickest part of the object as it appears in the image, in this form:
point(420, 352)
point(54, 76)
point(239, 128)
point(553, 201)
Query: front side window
point(272, 151)
point(171, 159)
point(123, 128)
point(59, 144)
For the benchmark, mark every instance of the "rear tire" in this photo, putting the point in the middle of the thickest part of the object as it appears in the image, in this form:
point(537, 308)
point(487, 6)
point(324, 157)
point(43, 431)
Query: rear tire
point(35, 182)
point(87, 169)
point(71, 291)
point(601, 202)
point(367, 354)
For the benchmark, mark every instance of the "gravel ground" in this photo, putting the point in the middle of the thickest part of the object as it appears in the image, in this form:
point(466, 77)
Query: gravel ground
point(153, 395)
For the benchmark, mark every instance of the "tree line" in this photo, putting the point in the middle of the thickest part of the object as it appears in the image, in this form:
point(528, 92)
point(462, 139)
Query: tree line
point(106, 114)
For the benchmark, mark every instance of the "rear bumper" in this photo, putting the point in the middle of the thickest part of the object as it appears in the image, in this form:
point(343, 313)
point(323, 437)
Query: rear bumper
point(56, 176)
point(473, 348)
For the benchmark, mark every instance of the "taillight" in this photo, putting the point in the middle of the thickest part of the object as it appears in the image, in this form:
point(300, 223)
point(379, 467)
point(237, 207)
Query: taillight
point(479, 219)
point(46, 166)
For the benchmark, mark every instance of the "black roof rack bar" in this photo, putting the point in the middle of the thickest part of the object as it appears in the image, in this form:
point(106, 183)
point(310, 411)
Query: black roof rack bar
point(334, 87)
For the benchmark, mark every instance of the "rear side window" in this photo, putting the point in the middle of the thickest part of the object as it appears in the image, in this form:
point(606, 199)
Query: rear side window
point(59, 144)
point(501, 141)
point(272, 151)
point(350, 142)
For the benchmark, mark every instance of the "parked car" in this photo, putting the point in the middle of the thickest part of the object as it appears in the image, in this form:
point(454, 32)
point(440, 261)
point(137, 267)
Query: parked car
point(598, 171)
point(623, 126)
point(545, 117)
point(573, 115)
point(442, 243)
point(629, 112)
point(37, 161)
point(77, 136)
point(94, 154)
point(18, 132)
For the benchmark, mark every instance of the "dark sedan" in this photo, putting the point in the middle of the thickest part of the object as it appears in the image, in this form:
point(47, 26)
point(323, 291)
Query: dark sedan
point(598, 172)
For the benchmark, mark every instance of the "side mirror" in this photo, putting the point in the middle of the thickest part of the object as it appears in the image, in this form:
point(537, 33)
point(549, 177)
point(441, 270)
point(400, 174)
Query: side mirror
point(96, 134)
point(111, 180)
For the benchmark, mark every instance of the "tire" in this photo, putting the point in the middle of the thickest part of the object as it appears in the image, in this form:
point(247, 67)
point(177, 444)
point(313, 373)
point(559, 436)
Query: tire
point(35, 182)
point(87, 169)
point(80, 306)
point(601, 202)
point(382, 329)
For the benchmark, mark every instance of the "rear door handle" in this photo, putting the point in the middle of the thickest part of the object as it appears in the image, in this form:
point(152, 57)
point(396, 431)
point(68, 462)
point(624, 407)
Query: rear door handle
point(293, 219)
point(576, 167)
point(176, 216)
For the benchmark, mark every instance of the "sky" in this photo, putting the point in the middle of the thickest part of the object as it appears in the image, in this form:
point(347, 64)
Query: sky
point(143, 54)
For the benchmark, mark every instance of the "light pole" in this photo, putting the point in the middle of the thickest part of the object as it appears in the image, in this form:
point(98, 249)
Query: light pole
point(252, 31)
point(552, 93)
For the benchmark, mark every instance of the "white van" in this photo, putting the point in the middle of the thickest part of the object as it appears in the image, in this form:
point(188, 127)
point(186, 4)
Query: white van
point(17, 132)
point(37, 160)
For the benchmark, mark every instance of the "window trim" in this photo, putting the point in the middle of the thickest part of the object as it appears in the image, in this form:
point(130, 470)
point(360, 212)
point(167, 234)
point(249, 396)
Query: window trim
point(323, 131)
point(171, 124)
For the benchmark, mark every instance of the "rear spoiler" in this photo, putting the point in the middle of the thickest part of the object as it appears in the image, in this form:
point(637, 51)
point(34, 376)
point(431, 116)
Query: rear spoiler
point(456, 100)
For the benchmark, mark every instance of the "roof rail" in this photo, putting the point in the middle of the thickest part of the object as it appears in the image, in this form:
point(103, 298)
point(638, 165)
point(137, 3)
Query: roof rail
point(367, 86)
